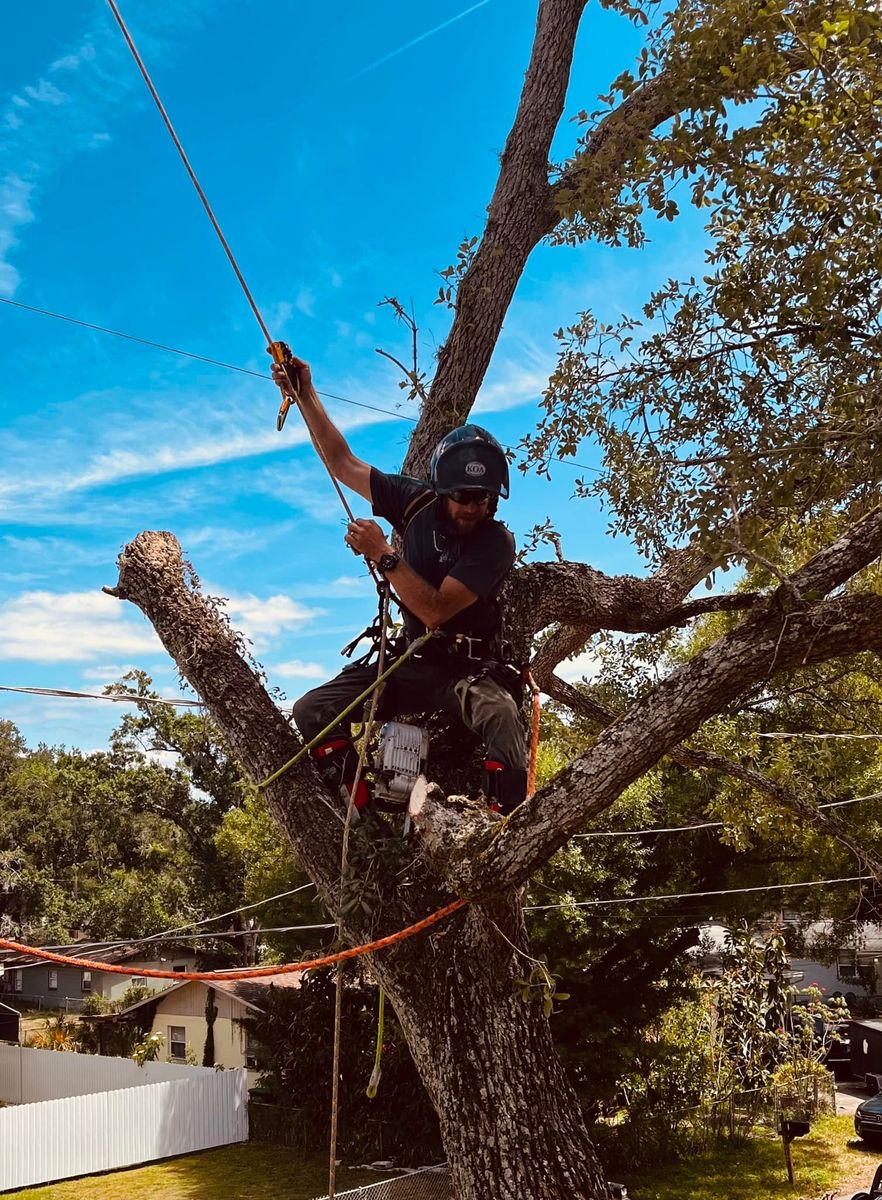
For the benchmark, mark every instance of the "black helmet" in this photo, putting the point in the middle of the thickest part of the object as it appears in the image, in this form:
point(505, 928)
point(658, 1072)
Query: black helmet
point(469, 457)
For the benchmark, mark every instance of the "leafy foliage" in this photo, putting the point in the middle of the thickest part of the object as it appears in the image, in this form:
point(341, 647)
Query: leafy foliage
point(710, 406)
point(295, 1039)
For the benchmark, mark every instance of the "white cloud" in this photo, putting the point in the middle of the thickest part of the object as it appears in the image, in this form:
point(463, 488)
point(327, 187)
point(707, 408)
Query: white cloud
point(261, 619)
point(54, 553)
point(49, 125)
point(515, 381)
point(305, 302)
point(229, 543)
point(278, 315)
point(163, 435)
point(107, 673)
point(295, 669)
point(351, 585)
point(15, 213)
point(586, 665)
point(47, 93)
point(71, 627)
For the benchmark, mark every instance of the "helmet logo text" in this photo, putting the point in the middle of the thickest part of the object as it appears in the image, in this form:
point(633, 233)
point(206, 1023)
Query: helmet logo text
point(475, 468)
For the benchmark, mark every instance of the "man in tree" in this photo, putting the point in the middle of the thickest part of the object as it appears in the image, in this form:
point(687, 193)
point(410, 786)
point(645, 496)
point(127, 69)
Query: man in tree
point(739, 426)
point(455, 558)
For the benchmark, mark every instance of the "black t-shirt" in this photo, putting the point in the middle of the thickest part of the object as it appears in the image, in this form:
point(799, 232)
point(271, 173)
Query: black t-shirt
point(434, 549)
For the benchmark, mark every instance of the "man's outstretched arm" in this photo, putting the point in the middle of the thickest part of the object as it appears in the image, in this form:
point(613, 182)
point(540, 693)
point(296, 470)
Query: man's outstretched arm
point(326, 437)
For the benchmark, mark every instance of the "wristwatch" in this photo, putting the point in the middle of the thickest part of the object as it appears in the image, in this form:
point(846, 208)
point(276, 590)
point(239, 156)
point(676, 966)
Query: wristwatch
point(388, 562)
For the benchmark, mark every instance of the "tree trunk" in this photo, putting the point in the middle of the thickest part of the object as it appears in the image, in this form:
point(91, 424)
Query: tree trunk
point(510, 1120)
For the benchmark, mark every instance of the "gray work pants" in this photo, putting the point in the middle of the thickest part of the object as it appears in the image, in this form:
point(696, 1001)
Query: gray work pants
point(424, 684)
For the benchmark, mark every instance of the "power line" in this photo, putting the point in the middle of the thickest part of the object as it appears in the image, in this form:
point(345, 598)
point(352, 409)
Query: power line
point(67, 694)
point(163, 935)
point(603, 833)
point(823, 736)
point(216, 362)
point(771, 887)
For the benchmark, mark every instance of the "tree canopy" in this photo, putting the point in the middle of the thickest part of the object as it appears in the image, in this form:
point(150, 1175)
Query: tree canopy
point(737, 421)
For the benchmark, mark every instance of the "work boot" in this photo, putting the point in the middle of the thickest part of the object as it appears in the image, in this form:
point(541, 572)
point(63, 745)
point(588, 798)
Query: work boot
point(337, 762)
point(505, 787)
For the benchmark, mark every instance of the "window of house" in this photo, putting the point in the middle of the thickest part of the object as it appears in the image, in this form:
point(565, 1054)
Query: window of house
point(847, 964)
point(86, 981)
point(177, 1042)
point(250, 1051)
point(17, 981)
point(180, 967)
point(53, 981)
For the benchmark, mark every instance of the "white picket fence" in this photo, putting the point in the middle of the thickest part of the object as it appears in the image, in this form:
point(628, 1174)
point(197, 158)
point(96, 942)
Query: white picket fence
point(27, 1075)
point(118, 1119)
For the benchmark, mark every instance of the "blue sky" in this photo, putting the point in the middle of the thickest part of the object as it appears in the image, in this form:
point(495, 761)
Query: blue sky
point(346, 159)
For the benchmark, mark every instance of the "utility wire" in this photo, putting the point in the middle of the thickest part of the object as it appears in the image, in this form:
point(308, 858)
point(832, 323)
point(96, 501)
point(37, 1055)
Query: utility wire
point(858, 737)
point(67, 694)
point(603, 833)
point(216, 362)
point(165, 935)
point(771, 887)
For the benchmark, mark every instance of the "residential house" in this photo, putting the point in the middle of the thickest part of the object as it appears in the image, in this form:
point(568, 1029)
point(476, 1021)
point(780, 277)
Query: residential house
point(179, 1014)
point(854, 972)
point(30, 982)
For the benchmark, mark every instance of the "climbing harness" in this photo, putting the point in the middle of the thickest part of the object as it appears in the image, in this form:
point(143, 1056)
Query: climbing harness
point(360, 699)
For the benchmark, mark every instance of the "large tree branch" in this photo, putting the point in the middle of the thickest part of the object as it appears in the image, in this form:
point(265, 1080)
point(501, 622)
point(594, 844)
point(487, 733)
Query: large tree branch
point(516, 222)
point(769, 641)
point(546, 593)
point(704, 760)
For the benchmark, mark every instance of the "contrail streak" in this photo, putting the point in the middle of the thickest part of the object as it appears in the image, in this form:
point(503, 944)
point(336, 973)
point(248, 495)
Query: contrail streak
point(416, 41)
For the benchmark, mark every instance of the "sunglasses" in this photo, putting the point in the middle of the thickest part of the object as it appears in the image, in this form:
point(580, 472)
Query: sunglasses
point(470, 496)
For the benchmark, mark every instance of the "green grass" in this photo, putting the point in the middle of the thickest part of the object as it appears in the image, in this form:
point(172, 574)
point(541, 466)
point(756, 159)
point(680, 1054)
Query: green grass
point(252, 1171)
point(826, 1160)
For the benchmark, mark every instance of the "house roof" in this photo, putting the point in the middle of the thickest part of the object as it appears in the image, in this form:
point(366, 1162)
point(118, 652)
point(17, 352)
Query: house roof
point(103, 952)
point(250, 992)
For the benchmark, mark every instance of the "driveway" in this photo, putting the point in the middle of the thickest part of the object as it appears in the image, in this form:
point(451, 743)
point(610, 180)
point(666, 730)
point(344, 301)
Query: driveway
point(849, 1095)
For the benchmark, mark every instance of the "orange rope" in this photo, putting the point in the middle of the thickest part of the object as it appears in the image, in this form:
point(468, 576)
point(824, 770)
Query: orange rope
point(534, 740)
point(88, 964)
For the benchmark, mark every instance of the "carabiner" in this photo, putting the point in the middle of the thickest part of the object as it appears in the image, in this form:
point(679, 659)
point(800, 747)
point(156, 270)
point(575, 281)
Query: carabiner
point(281, 353)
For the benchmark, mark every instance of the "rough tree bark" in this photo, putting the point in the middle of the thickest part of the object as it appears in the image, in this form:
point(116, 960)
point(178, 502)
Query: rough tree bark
point(510, 1121)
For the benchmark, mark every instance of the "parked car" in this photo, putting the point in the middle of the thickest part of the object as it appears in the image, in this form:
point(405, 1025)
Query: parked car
point(875, 1192)
point(868, 1119)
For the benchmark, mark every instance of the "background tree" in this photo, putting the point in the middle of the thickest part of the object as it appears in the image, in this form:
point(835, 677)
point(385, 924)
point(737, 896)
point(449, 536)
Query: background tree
point(737, 428)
